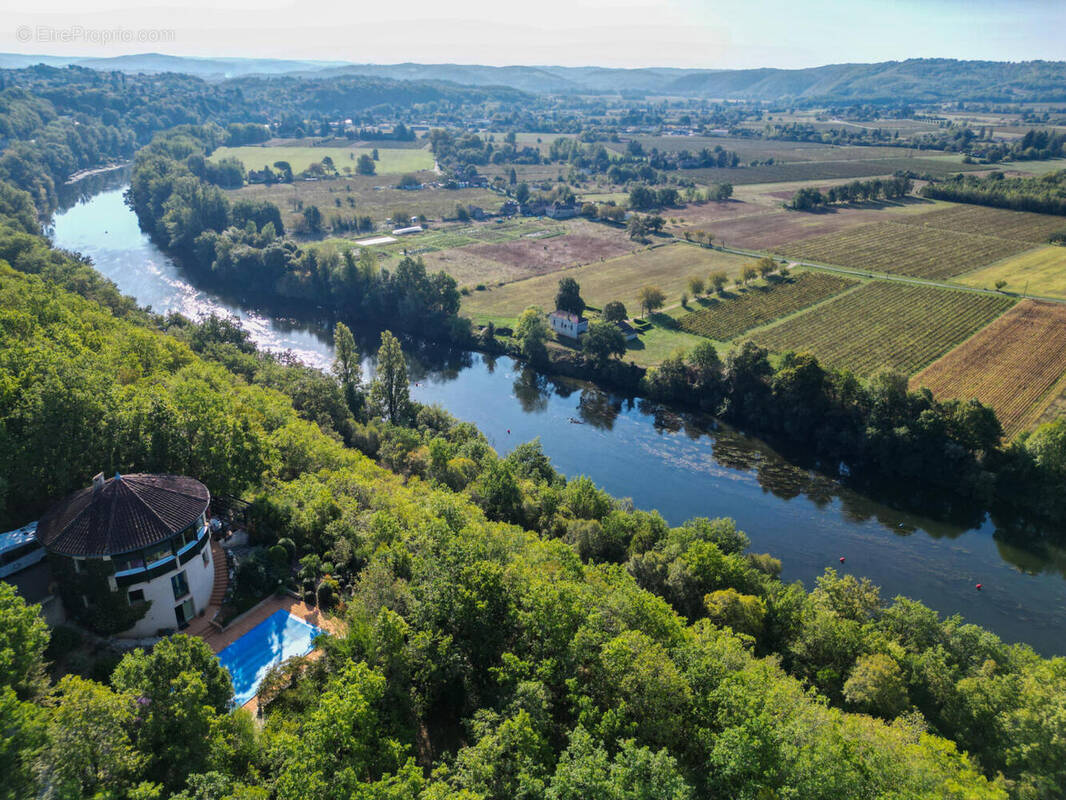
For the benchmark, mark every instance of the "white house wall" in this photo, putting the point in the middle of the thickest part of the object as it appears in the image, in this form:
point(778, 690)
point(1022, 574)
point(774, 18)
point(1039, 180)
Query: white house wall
point(160, 616)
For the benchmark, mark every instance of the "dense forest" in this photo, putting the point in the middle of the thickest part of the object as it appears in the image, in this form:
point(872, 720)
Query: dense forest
point(508, 632)
point(1045, 194)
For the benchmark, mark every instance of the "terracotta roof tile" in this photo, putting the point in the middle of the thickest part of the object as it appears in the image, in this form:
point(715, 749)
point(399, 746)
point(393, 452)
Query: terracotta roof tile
point(127, 513)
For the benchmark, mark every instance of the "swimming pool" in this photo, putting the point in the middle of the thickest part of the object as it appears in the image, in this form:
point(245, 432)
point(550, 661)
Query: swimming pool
point(278, 637)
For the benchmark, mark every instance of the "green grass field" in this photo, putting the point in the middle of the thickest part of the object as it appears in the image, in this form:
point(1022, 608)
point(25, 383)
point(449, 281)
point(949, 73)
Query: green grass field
point(725, 319)
point(883, 325)
point(667, 267)
point(332, 198)
point(1040, 272)
point(392, 161)
point(902, 249)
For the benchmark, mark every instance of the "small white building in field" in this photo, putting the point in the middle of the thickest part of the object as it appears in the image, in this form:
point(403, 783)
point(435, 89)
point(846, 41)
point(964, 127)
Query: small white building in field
point(566, 324)
point(407, 231)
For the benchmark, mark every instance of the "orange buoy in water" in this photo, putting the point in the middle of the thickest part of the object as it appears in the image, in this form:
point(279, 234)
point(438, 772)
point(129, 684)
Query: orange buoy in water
point(979, 587)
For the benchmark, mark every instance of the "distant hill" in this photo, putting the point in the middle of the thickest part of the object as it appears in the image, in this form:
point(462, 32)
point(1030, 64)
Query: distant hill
point(911, 81)
point(217, 68)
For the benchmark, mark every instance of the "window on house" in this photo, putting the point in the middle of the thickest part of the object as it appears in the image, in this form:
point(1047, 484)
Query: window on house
point(205, 556)
point(158, 552)
point(136, 596)
point(131, 561)
point(180, 585)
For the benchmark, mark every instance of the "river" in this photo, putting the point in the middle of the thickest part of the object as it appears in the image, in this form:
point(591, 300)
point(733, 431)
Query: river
point(681, 465)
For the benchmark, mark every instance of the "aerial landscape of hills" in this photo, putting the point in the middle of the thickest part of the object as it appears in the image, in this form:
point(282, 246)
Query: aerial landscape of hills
point(913, 80)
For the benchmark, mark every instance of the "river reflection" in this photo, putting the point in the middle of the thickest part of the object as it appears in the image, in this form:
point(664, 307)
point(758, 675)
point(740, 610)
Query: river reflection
point(682, 464)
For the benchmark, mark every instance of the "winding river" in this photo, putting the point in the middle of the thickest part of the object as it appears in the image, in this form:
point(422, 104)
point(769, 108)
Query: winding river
point(683, 466)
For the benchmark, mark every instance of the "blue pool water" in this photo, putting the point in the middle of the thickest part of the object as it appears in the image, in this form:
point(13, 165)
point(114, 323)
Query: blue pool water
point(278, 637)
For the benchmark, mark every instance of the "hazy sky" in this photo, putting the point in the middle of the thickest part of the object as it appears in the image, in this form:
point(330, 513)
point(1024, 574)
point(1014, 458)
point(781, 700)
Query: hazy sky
point(685, 33)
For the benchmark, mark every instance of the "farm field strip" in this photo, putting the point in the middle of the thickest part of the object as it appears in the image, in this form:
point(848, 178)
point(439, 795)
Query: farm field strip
point(1024, 226)
point(1040, 272)
point(896, 248)
point(332, 198)
point(728, 318)
point(391, 160)
point(825, 170)
point(621, 278)
point(1012, 364)
point(888, 325)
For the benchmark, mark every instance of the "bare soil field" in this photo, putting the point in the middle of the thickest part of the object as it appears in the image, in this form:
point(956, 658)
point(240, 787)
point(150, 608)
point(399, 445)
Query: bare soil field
point(523, 248)
point(774, 228)
point(751, 149)
point(703, 213)
point(538, 256)
point(816, 170)
point(757, 225)
point(1012, 365)
point(470, 269)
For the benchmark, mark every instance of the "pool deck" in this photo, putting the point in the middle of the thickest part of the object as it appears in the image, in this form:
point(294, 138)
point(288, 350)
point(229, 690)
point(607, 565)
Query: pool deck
point(218, 640)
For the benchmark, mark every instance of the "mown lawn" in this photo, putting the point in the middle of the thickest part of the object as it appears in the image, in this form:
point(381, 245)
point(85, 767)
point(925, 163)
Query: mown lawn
point(391, 161)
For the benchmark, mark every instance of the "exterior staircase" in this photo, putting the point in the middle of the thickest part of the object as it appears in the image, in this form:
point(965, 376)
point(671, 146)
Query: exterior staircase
point(218, 593)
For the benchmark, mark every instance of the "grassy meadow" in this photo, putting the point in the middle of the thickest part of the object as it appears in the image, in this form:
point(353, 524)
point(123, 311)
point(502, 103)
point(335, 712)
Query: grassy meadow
point(1039, 272)
point(666, 266)
point(391, 161)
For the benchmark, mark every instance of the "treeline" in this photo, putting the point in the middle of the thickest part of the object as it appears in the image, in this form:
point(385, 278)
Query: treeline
point(1035, 145)
point(1045, 194)
point(240, 244)
point(957, 138)
point(855, 192)
point(456, 150)
point(507, 632)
